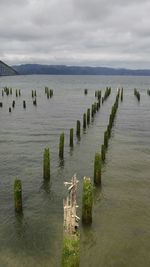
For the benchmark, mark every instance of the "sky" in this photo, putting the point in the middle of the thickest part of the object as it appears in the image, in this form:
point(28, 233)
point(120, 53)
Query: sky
point(114, 33)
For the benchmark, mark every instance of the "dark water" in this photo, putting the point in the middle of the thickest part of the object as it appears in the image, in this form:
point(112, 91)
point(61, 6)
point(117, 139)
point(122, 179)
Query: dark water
point(120, 233)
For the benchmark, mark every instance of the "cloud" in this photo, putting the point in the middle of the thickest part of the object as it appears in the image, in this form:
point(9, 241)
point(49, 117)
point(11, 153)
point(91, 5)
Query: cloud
point(76, 32)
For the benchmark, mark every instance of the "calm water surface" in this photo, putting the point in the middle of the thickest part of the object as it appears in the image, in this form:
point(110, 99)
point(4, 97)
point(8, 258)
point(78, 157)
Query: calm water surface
point(120, 233)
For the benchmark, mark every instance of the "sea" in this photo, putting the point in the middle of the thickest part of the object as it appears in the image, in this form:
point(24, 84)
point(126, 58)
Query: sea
point(119, 235)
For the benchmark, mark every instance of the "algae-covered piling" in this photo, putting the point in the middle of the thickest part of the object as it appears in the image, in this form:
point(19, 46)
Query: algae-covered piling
point(61, 146)
point(84, 121)
point(78, 128)
point(71, 137)
point(87, 201)
point(97, 169)
point(46, 164)
point(71, 251)
point(18, 195)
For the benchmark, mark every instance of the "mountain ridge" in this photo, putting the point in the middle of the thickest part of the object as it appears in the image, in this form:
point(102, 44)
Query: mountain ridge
point(30, 69)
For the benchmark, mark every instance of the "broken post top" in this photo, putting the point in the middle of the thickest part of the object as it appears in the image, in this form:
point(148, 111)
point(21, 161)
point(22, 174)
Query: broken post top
point(70, 206)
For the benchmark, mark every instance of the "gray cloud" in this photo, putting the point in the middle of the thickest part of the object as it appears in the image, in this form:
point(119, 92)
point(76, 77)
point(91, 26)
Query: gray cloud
point(76, 32)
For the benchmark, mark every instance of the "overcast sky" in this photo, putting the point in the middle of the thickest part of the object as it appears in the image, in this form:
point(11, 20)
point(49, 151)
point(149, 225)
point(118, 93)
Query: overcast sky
point(113, 33)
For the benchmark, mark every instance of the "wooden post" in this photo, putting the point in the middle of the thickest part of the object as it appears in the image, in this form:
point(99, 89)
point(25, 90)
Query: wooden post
point(13, 103)
point(61, 146)
point(85, 91)
point(18, 195)
point(24, 104)
point(97, 169)
point(78, 129)
point(71, 137)
point(106, 139)
point(84, 121)
point(87, 201)
point(88, 116)
point(103, 152)
point(46, 164)
point(71, 240)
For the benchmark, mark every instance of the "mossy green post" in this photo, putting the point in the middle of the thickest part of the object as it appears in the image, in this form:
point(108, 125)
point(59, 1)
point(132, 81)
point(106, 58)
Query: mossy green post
point(88, 116)
point(87, 201)
point(18, 195)
point(84, 121)
point(106, 139)
point(71, 137)
point(46, 164)
point(2, 92)
point(71, 251)
point(16, 93)
point(19, 92)
point(78, 128)
point(32, 93)
point(46, 89)
point(103, 152)
point(97, 169)
point(61, 146)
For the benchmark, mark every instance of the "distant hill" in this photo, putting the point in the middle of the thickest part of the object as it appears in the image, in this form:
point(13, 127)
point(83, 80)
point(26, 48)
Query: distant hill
point(28, 69)
point(6, 70)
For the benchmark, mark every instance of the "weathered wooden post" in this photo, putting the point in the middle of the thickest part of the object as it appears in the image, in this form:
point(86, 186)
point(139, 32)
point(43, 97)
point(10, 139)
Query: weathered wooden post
point(103, 152)
point(1, 104)
point(85, 91)
point(92, 111)
point(71, 137)
point(16, 93)
point(106, 139)
point(13, 103)
point(88, 116)
point(87, 201)
point(61, 146)
point(84, 121)
point(46, 164)
point(51, 93)
point(19, 92)
point(9, 110)
point(78, 128)
point(32, 94)
point(71, 240)
point(24, 104)
point(35, 102)
point(97, 169)
point(18, 195)
point(121, 94)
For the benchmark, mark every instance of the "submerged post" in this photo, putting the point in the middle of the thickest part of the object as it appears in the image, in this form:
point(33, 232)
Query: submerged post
point(87, 201)
point(46, 164)
point(97, 169)
point(18, 195)
point(61, 146)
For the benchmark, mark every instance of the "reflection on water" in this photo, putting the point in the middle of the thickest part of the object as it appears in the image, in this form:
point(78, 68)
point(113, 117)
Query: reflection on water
point(120, 233)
